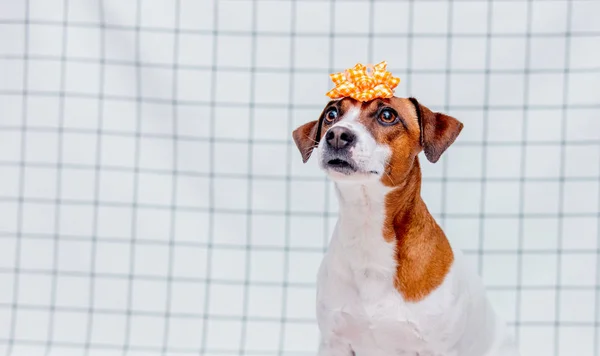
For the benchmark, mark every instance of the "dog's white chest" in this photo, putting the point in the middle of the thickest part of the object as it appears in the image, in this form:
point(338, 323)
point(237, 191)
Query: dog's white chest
point(358, 302)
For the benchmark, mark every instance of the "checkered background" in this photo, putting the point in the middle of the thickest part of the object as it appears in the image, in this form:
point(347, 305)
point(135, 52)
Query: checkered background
point(152, 203)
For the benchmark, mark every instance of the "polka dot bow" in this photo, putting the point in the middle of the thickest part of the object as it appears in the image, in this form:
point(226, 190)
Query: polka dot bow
point(364, 83)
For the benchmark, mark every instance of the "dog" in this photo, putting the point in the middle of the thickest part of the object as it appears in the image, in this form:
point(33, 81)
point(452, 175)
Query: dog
point(390, 283)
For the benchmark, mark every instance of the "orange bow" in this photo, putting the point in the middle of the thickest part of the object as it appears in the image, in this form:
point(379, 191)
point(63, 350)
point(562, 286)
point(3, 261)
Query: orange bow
point(364, 83)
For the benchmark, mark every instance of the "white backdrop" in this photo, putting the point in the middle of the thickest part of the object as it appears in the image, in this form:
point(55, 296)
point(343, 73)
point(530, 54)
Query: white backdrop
point(152, 203)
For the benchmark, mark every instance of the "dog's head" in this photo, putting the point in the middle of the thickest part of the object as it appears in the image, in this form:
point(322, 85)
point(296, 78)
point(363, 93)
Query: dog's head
point(375, 140)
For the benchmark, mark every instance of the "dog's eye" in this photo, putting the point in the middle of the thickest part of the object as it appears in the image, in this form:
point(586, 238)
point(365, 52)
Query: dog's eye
point(331, 115)
point(387, 117)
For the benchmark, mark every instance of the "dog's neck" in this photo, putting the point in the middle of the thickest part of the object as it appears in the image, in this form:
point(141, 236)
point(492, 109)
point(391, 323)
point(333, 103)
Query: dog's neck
point(400, 216)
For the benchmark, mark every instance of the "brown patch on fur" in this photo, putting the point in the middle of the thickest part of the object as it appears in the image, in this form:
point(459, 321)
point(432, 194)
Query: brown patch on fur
point(423, 253)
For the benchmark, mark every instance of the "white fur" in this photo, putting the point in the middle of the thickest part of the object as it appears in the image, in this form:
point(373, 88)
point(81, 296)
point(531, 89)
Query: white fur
point(358, 308)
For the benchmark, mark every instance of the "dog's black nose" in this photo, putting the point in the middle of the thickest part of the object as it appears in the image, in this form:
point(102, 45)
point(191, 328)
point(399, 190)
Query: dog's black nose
point(340, 137)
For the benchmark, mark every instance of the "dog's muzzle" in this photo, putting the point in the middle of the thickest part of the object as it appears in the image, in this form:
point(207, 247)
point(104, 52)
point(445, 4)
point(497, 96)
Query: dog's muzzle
point(336, 153)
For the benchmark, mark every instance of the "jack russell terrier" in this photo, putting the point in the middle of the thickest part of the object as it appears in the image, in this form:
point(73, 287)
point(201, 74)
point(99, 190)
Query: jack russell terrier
point(390, 283)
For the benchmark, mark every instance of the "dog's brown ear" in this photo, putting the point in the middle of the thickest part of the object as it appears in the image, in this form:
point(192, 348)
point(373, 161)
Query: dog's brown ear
point(304, 137)
point(438, 131)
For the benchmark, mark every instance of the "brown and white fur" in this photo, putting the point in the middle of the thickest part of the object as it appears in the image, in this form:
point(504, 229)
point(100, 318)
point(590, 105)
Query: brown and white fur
point(390, 282)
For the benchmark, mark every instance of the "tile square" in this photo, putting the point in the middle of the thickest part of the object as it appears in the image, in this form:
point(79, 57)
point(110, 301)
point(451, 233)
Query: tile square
point(113, 258)
point(581, 86)
point(466, 89)
point(83, 42)
point(504, 162)
point(541, 197)
point(430, 17)
point(36, 254)
point(153, 224)
point(542, 161)
point(79, 148)
point(116, 186)
point(581, 124)
point(230, 193)
point(26, 318)
point(500, 270)
point(41, 147)
point(11, 75)
point(190, 262)
point(273, 16)
point(310, 262)
point(296, 336)
point(157, 13)
point(188, 297)
point(263, 336)
point(267, 159)
point(234, 51)
point(196, 15)
point(75, 256)
point(155, 189)
point(307, 231)
point(108, 329)
point(36, 218)
point(578, 269)
point(147, 331)
point(156, 153)
point(35, 289)
point(273, 52)
point(509, 17)
point(272, 88)
point(264, 301)
point(83, 78)
point(547, 53)
point(539, 270)
point(425, 53)
point(581, 15)
point(183, 332)
point(301, 303)
point(576, 340)
point(468, 53)
point(69, 326)
point(76, 220)
point(579, 233)
point(348, 17)
point(457, 166)
point(72, 291)
point(581, 161)
point(117, 81)
point(223, 93)
point(267, 266)
point(347, 51)
point(549, 17)
point(37, 182)
point(469, 17)
point(38, 43)
point(577, 306)
point(228, 265)
point(506, 89)
point(463, 197)
point(538, 306)
point(540, 233)
point(195, 49)
point(270, 124)
point(231, 229)
point(313, 17)
point(148, 295)
point(304, 196)
point(234, 16)
point(231, 158)
point(111, 293)
point(194, 85)
point(113, 37)
point(546, 89)
point(501, 234)
point(156, 83)
point(508, 53)
point(580, 197)
point(269, 230)
point(151, 260)
point(227, 300)
point(191, 226)
point(269, 195)
point(306, 47)
point(223, 334)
